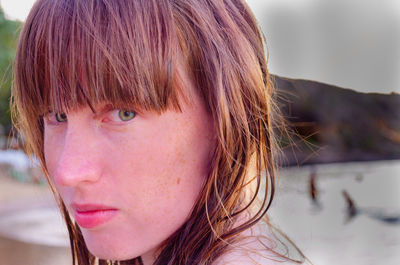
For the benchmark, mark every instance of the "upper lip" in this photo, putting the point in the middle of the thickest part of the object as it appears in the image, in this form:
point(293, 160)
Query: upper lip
point(89, 207)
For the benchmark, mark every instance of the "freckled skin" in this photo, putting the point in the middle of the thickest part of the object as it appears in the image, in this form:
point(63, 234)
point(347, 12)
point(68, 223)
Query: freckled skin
point(150, 168)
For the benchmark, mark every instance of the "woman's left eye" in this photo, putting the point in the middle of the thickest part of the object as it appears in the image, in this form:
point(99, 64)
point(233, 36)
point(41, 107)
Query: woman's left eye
point(118, 115)
point(126, 115)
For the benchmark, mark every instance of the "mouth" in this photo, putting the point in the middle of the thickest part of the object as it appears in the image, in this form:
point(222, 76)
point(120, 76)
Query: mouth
point(91, 216)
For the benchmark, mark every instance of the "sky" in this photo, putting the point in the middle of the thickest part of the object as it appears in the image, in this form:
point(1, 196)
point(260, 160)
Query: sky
point(349, 43)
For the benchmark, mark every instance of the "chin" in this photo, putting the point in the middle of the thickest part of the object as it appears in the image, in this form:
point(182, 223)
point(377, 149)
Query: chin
point(111, 255)
point(110, 250)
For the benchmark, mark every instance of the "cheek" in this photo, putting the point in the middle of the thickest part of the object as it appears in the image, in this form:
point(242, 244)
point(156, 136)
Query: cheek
point(52, 147)
point(164, 173)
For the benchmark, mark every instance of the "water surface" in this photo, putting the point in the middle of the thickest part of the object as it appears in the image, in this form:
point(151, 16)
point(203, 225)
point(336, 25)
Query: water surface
point(325, 230)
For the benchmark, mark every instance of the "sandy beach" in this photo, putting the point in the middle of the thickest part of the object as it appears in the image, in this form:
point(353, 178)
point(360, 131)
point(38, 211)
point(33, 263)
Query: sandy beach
point(26, 195)
point(11, 190)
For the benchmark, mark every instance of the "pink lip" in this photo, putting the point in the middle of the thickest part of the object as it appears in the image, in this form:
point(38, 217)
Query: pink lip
point(92, 215)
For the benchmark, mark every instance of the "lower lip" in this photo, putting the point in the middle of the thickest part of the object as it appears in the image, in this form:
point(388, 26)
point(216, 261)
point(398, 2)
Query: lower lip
point(92, 219)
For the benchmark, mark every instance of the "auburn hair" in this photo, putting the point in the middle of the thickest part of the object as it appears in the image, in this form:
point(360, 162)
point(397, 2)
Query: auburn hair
point(73, 53)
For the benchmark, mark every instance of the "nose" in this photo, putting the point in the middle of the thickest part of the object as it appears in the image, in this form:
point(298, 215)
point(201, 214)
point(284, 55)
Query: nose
point(79, 160)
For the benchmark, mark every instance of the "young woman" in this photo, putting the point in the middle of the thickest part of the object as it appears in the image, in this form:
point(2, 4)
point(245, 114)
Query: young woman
point(152, 122)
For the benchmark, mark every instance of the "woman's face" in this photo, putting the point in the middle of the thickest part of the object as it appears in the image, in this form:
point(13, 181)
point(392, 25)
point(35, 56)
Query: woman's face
point(129, 179)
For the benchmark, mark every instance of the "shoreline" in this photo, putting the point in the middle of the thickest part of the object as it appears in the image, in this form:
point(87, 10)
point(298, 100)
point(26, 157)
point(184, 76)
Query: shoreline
point(329, 156)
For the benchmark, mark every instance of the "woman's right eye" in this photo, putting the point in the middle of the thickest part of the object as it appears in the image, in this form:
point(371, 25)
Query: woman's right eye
point(54, 118)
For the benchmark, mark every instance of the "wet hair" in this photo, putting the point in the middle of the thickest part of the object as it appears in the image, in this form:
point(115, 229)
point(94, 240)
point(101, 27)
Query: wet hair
point(74, 53)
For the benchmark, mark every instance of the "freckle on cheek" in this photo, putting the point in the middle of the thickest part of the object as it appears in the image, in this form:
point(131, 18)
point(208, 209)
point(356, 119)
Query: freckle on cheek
point(178, 181)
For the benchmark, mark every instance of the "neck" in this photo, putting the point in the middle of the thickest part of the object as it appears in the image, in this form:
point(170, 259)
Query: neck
point(148, 258)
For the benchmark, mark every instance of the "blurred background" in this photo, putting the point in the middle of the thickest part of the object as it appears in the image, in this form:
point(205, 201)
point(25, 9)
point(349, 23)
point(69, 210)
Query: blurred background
point(336, 70)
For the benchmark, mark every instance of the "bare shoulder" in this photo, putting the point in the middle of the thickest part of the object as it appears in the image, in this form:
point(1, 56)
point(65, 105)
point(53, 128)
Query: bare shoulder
point(252, 257)
point(252, 260)
point(256, 247)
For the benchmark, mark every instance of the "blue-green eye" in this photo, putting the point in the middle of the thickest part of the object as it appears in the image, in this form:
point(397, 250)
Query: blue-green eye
point(61, 117)
point(126, 115)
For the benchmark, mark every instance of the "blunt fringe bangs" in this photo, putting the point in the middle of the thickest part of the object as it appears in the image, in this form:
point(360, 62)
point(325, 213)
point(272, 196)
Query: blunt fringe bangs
point(127, 52)
point(80, 51)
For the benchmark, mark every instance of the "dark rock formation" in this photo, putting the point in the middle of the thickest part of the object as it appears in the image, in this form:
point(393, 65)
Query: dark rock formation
point(332, 124)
